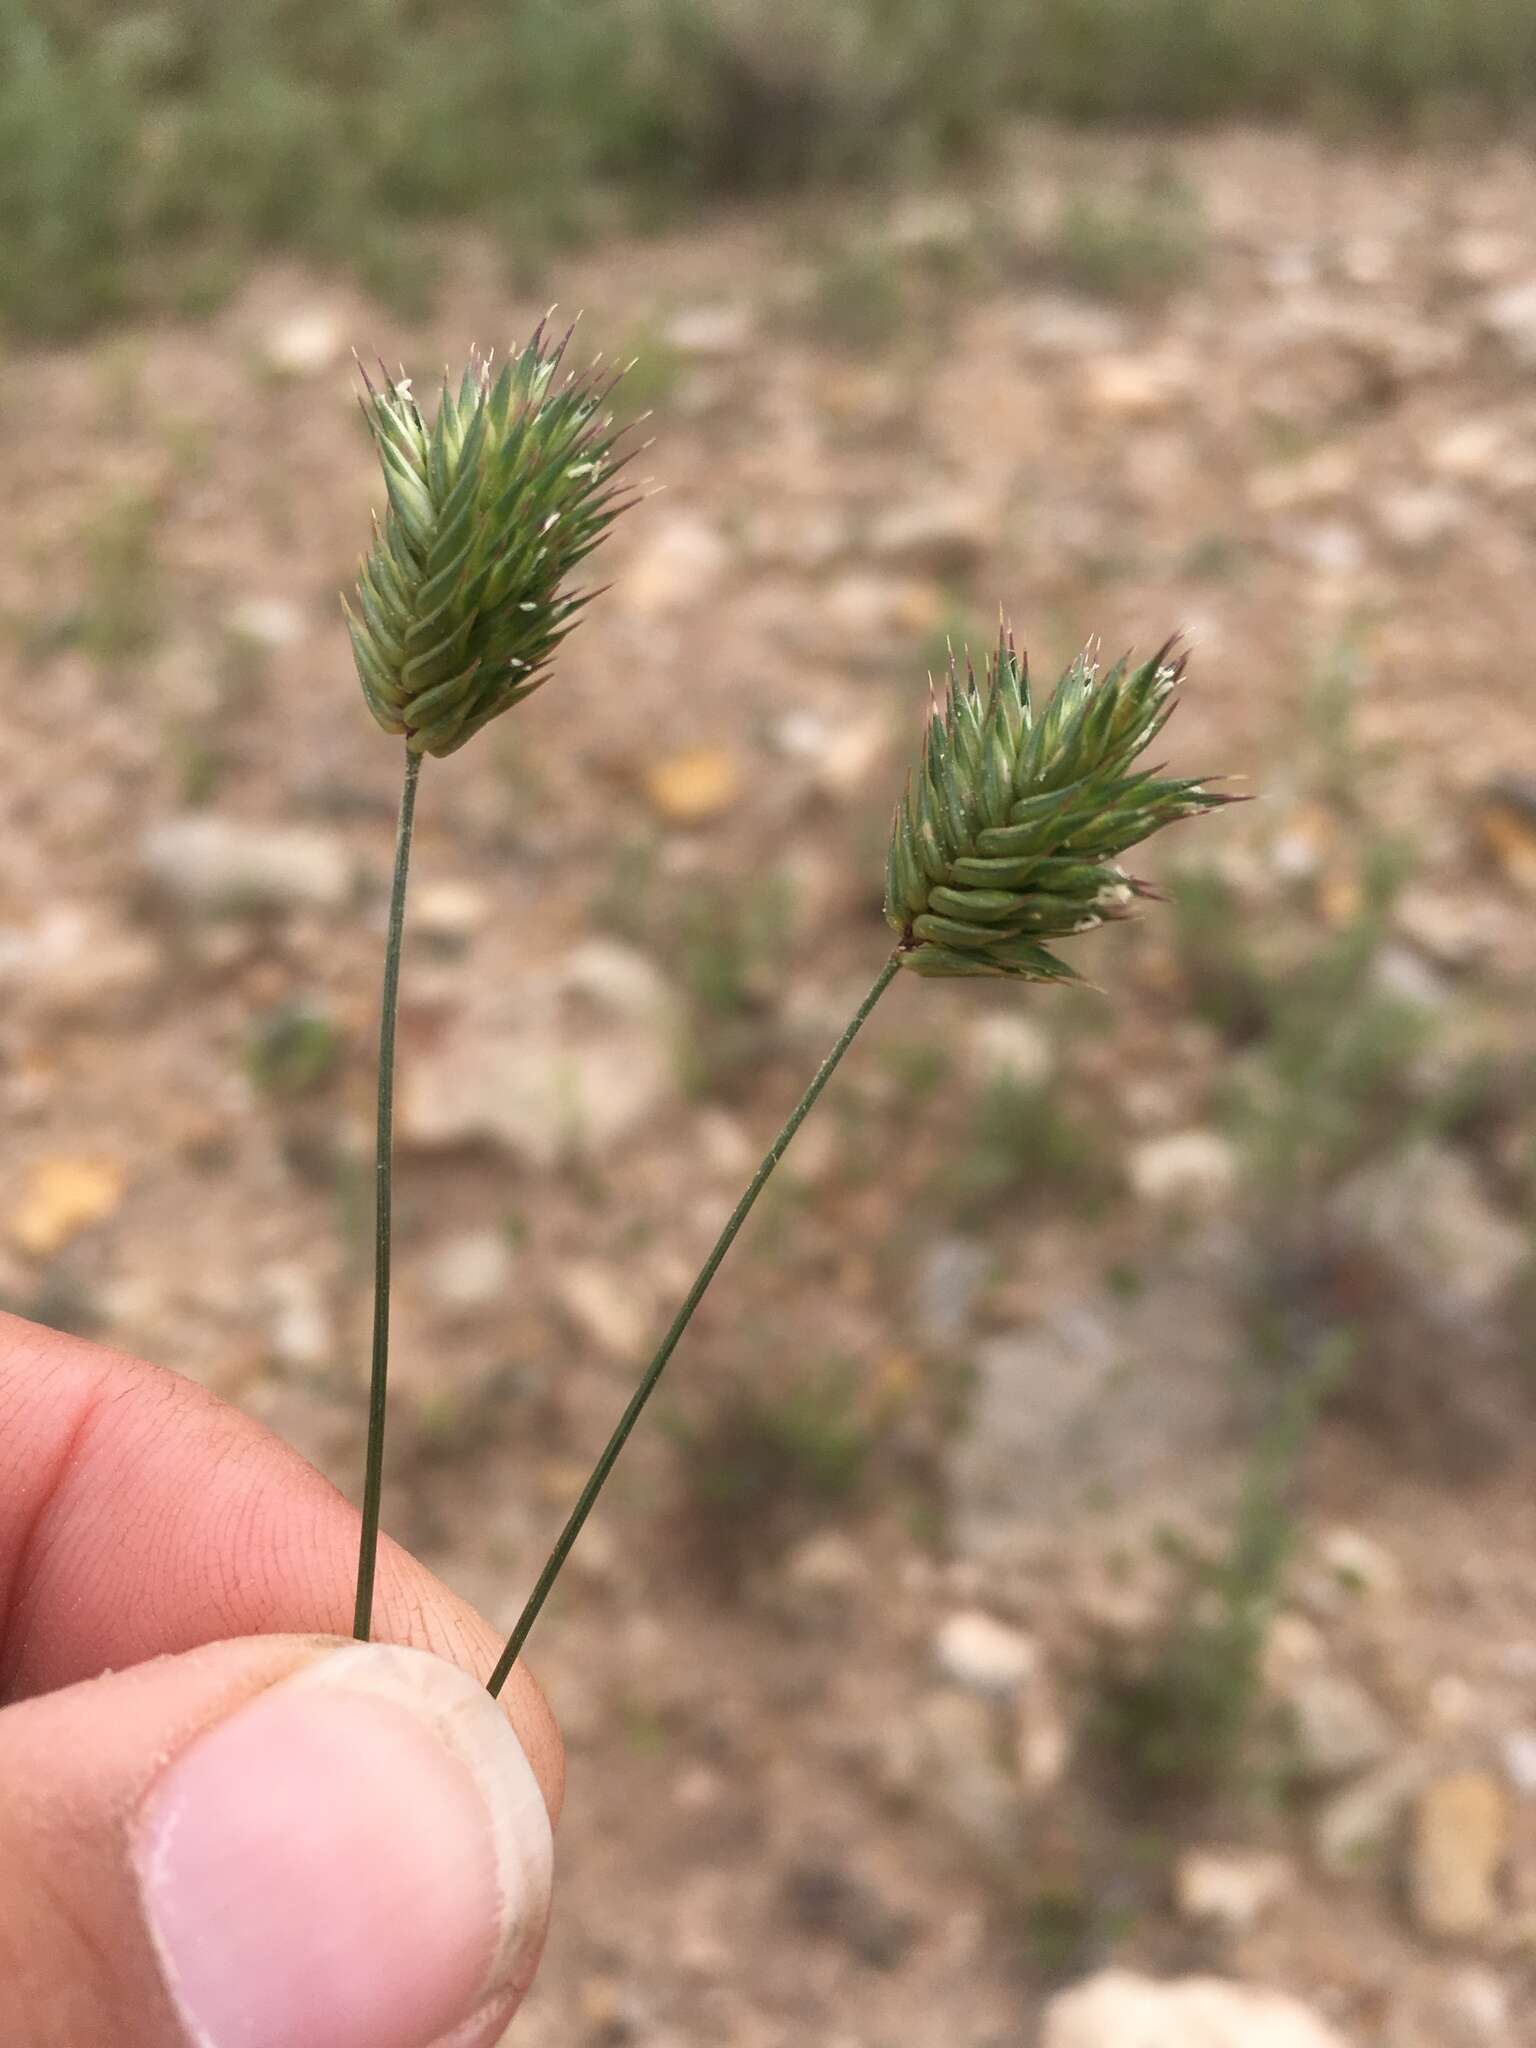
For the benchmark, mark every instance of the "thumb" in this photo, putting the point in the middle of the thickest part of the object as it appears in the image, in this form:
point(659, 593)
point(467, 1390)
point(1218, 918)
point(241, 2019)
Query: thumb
point(281, 1842)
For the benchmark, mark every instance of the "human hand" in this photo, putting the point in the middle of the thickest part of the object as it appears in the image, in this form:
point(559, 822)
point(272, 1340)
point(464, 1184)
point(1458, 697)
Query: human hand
point(220, 1824)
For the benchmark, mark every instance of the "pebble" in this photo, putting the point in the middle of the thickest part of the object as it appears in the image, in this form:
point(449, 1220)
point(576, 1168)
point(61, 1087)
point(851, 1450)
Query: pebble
point(1460, 1837)
point(942, 534)
point(1403, 975)
point(1121, 2009)
point(1105, 1396)
point(802, 536)
point(1510, 316)
point(61, 1196)
point(616, 978)
point(1130, 388)
point(1074, 329)
point(1358, 1565)
point(1368, 260)
point(1484, 255)
point(1445, 926)
point(1193, 1169)
point(267, 622)
point(1356, 1827)
point(570, 1063)
point(694, 786)
point(930, 222)
point(449, 913)
point(604, 1306)
point(1337, 1727)
point(1518, 1754)
point(298, 1321)
point(211, 863)
point(1330, 547)
point(1423, 1214)
point(1470, 450)
point(1233, 1888)
point(844, 764)
point(1419, 519)
point(304, 344)
point(1009, 1048)
point(725, 1146)
point(986, 1656)
point(1290, 267)
point(682, 566)
point(1293, 1646)
point(1326, 475)
point(1477, 2009)
point(950, 1277)
point(470, 1271)
point(75, 961)
point(950, 1764)
point(713, 333)
point(828, 1566)
point(863, 604)
point(1043, 1736)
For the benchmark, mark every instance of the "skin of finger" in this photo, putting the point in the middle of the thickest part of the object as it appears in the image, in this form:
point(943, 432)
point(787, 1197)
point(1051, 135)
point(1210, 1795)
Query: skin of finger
point(140, 1516)
point(76, 1967)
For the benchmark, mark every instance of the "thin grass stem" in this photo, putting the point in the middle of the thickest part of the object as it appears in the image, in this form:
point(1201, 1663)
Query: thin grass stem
point(378, 1387)
point(653, 1372)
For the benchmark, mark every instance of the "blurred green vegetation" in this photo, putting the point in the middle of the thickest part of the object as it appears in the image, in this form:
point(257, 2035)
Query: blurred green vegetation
point(293, 1051)
point(764, 1458)
point(1175, 1722)
point(147, 151)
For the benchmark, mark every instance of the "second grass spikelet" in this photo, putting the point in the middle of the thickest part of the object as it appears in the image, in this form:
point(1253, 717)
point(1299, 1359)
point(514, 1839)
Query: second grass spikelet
point(1010, 831)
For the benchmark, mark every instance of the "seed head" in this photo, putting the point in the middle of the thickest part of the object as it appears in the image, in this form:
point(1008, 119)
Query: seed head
point(1009, 831)
point(461, 603)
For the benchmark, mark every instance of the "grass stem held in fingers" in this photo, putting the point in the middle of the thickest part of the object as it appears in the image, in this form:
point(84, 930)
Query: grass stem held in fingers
point(460, 608)
point(605, 1464)
point(1006, 840)
point(378, 1389)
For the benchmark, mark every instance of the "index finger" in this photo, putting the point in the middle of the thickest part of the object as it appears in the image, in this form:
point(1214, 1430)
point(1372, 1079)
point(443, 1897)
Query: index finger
point(140, 1515)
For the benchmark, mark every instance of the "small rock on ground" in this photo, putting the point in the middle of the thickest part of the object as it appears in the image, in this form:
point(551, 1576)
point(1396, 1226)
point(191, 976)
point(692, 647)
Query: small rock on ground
point(827, 1567)
point(1009, 1049)
point(270, 623)
point(1231, 1888)
point(304, 344)
point(1460, 1835)
point(74, 961)
point(1357, 1826)
point(680, 568)
point(711, 333)
point(604, 1307)
point(1337, 1726)
point(469, 1271)
point(947, 1760)
point(937, 536)
point(209, 863)
point(1119, 2009)
point(1510, 315)
point(986, 1656)
point(949, 1280)
point(1185, 1170)
point(1424, 1215)
point(569, 1065)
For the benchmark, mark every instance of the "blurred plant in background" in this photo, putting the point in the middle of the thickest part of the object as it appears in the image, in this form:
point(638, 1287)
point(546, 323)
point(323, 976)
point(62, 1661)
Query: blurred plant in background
point(146, 153)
